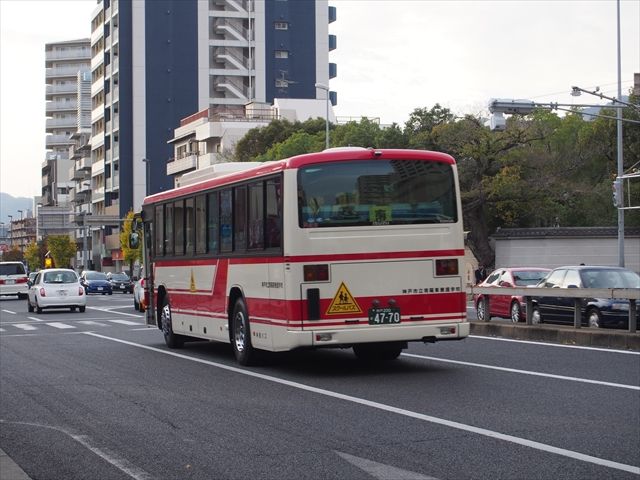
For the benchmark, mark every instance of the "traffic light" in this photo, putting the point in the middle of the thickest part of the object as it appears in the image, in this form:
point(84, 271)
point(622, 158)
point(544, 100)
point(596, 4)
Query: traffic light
point(48, 262)
point(617, 193)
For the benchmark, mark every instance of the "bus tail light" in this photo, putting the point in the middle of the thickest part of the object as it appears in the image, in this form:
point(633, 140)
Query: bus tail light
point(316, 273)
point(448, 266)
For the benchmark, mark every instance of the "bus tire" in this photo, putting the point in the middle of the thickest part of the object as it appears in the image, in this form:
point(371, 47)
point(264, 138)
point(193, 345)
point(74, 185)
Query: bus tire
point(378, 352)
point(240, 334)
point(171, 339)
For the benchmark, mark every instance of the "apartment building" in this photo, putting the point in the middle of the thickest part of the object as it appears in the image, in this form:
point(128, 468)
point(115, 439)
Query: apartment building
point(63, 61)
point(154, 63)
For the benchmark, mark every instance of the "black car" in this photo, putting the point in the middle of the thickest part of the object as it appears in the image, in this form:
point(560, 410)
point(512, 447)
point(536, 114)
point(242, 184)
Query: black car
point(596, 312)
point(120, 282)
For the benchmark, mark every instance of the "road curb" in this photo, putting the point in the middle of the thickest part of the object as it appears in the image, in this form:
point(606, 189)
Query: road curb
point(620, 340)
point(9, 470)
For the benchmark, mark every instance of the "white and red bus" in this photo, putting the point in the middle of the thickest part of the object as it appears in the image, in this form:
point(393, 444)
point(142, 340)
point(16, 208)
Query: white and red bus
point(349, 247)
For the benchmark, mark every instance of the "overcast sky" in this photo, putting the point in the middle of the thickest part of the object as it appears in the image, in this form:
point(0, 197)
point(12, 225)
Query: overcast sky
point(392, 56)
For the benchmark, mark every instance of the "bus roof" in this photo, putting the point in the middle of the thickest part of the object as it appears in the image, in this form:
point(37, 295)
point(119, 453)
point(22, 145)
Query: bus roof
point(340, 154)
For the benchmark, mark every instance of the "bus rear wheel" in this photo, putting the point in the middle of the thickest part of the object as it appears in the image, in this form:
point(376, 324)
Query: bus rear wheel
point(378, 352)
point(171, 339)
point(241, 335)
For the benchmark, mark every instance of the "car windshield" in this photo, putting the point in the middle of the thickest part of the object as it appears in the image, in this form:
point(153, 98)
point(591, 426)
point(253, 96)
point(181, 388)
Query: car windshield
point(602, 278)
point(60, 277)
point(96, 276)
point(372, 193)
point(121, 277)
point(528, 277)
point(12, 269)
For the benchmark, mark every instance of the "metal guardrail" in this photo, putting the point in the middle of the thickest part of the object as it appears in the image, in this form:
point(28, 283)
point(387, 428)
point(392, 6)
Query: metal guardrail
point(631, 294)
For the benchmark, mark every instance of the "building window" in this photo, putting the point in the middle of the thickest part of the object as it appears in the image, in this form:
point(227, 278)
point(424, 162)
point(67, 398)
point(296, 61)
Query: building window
point(282, 53)
point(281, 25)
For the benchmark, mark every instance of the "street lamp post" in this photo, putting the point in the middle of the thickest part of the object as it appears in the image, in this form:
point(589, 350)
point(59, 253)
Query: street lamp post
point(324, 87)
point(147, 166)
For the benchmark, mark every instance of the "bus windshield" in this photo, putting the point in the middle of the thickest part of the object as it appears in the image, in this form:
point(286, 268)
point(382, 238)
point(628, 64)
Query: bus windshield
point(376, 192)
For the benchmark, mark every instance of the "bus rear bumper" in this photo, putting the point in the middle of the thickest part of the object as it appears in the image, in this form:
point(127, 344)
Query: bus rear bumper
point(391, 333)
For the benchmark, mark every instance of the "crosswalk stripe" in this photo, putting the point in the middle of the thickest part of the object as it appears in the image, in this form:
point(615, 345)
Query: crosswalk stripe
point(59, 325)
point(91, 322)
point(25, 326)
point(125, 322)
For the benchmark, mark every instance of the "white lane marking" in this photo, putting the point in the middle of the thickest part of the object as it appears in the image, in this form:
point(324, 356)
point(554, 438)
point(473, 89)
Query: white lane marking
point(388, 408)
point(546, 344)
point(125, 322)
point(25, 326)
point(2, 330)
point(36, 319)
point(92, 322)
point(524, 372)
point(106, 310)
point(146, 329)
point(9, 311)
point(59, 325)
point(114, 459)
point(381, 470)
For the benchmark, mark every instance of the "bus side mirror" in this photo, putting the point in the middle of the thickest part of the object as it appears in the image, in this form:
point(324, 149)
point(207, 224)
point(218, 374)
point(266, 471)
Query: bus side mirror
point(134, 240)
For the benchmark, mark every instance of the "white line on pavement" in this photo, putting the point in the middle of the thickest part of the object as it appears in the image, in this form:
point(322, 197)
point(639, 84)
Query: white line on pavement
point(59, 325)
point(388, 408)
point(9, 311)
point(609, 350)
point(107, 310)
point(524, 372)
point(36, 319)
point(146, 329)
point(92, 322)
point(25, 326)
point(125, 322)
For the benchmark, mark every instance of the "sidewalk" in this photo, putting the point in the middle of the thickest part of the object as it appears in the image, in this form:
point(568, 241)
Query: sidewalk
point(9, 470)
point(567, 335)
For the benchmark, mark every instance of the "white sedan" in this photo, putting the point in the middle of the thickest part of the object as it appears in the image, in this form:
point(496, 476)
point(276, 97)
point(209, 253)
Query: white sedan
point(56, 288)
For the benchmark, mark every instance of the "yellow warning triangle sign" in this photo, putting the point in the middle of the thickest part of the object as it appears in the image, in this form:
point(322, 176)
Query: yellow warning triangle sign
point(343, 302)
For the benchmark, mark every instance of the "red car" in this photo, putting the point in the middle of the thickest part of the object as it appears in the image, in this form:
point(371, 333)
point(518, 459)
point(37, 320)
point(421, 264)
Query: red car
point(508, 306)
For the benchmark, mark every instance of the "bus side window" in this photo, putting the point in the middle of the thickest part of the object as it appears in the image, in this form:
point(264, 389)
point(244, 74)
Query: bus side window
point(159, 230)
point(201, 224)
point(190, 231)
point(226, 226)
point(256, 216)
point(168, 229)
point(273, 214)
point(213, 221)
point(240, 219)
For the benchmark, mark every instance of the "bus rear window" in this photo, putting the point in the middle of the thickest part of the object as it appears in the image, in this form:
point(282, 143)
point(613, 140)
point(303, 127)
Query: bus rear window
point(366, 193)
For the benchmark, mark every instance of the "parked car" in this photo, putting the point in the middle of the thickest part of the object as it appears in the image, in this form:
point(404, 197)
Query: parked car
point(31, 279)
point(13, 279)
point(56, 288)
point(139, 302)
point(507, 306)
point(120, 282)
point(95, 282)
point(596, 312)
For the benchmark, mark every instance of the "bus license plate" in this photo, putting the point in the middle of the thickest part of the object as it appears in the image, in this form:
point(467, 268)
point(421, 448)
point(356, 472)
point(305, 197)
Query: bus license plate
point(384, 316)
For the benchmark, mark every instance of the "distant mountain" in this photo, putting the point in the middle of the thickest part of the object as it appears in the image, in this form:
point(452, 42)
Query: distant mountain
point(9, 205)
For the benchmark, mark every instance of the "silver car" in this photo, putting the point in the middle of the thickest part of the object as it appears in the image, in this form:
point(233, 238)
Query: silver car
point(56, 288)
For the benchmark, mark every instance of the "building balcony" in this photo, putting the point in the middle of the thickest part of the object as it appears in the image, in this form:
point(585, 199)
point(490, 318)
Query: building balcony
point(182, 165)
point(57, 140)
point(80, 198)
point(97, 195)
point(67, 123)
point(67, 54)
point(62, 72)
point(97, 168)
point(66, 89)
point(57, 107)
point(84, 163)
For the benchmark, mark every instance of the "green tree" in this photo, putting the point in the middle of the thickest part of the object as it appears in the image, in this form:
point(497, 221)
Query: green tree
point(356, 134)
point(12, 255)
point(62, 249)
point(33, 255)
point(130, 254)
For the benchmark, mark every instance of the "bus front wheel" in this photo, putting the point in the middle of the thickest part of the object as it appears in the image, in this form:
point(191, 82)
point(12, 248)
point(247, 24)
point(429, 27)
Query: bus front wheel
point(241, 335)
point(378, 352)
point(171, 339)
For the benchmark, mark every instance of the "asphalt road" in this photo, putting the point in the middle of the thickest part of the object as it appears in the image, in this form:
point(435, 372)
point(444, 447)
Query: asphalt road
point(98, 395)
